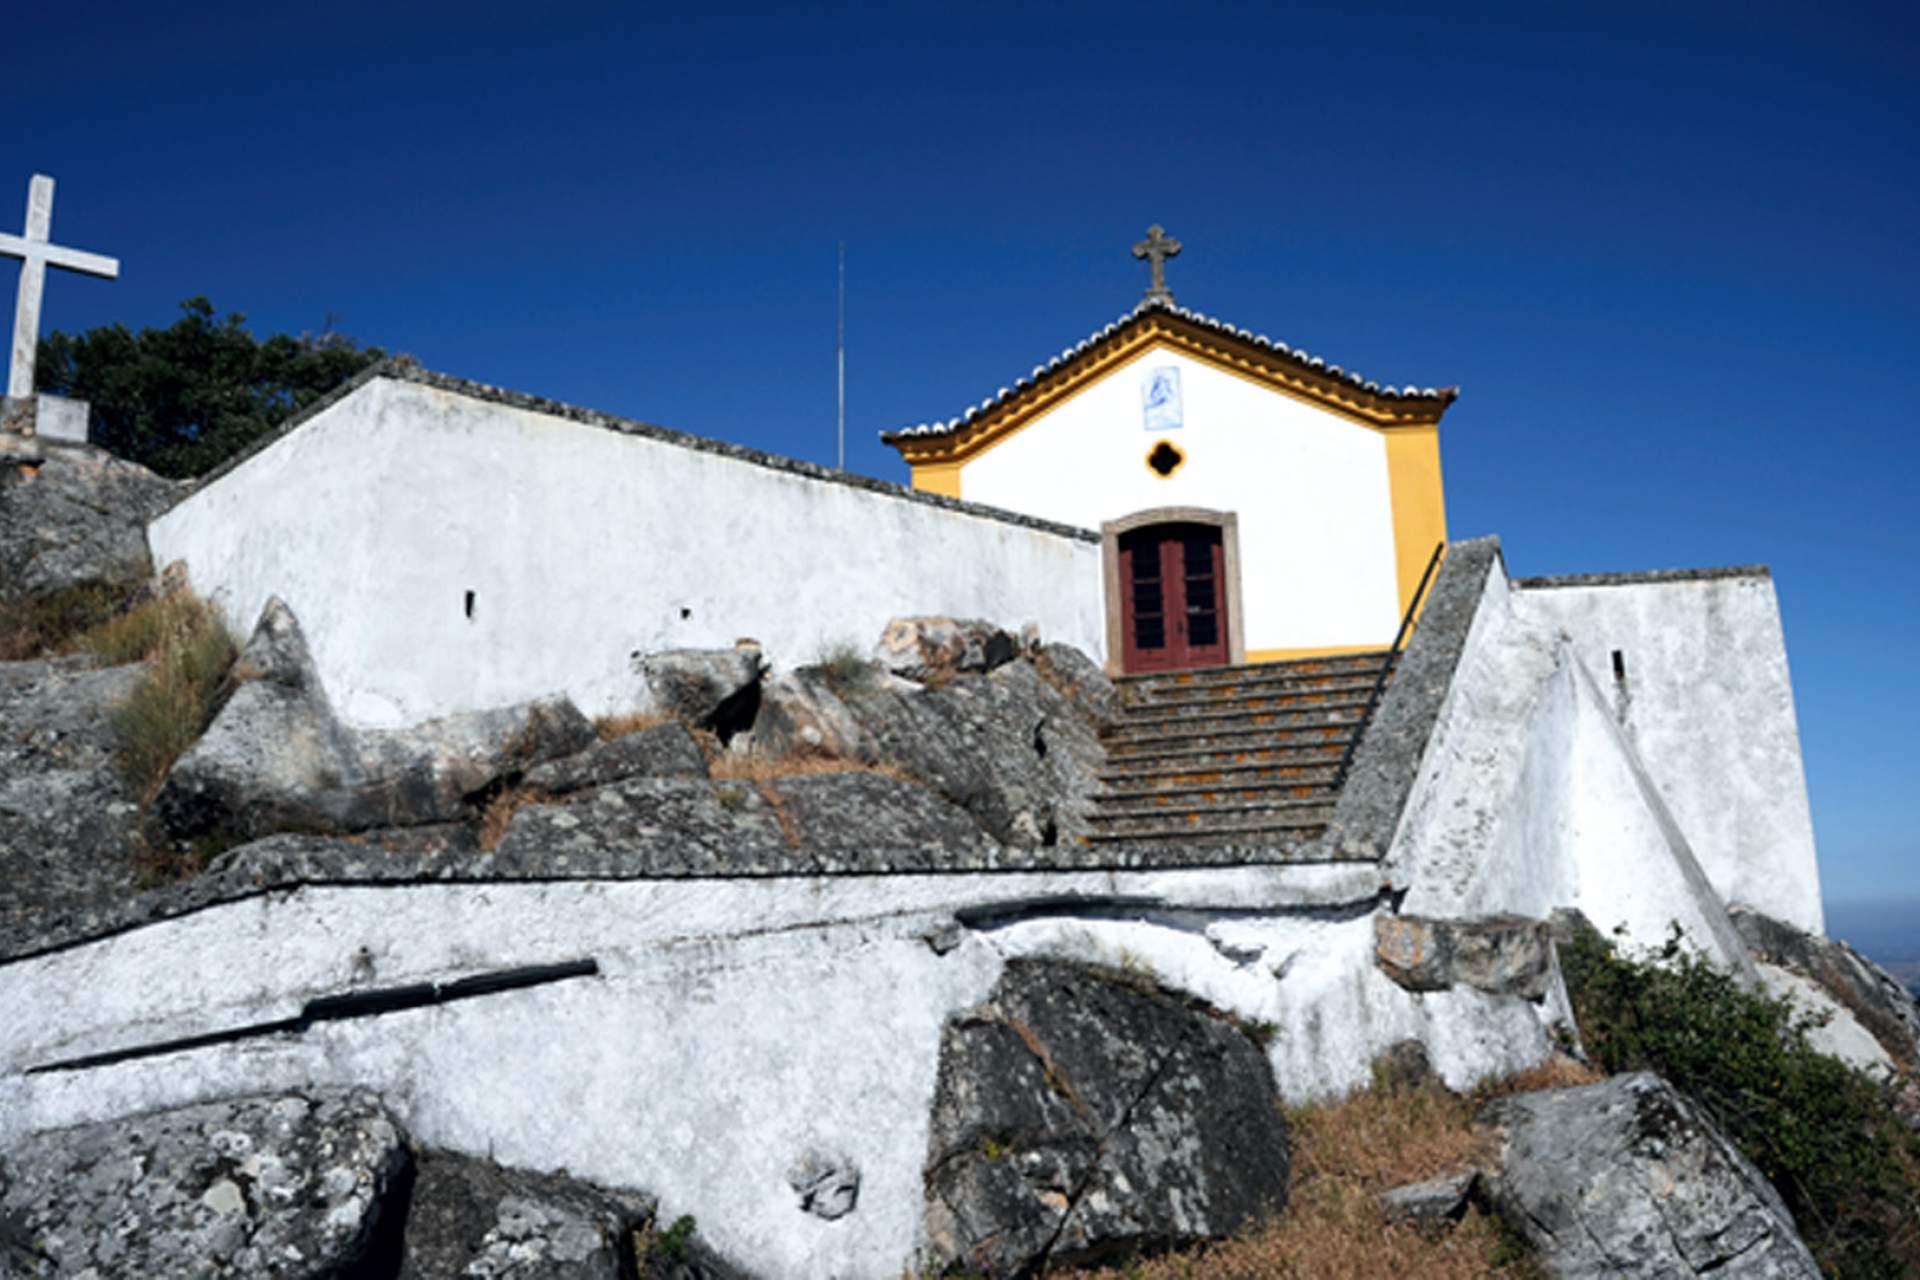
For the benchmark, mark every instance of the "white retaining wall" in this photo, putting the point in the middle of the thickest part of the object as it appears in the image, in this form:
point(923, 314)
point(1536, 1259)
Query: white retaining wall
point(735, 1024)
point(583, 548)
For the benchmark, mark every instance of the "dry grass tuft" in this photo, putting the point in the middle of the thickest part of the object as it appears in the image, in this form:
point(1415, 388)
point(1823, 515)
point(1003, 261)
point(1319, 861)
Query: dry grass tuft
point(1344, 1155)
point(611, 727)
point(187, 653)
point(1557, 1072)
point(57, 623)
point(731, 766)
point(500, 811)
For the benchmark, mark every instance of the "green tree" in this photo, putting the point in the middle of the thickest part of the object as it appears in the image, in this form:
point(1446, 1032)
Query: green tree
point(184, 399)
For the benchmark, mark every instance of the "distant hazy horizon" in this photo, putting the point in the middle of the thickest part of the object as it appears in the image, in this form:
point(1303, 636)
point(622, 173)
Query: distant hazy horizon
point(1887, 931)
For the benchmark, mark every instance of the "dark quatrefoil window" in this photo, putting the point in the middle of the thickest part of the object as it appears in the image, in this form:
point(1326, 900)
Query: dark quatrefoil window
point(1165, 459)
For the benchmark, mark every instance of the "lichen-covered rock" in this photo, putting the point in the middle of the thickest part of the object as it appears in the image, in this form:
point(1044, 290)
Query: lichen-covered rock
point(1007, 747)
point(1873, 996)
point(660, 751)
point(68, 820)
point(1503, 955)
point(471, 1218)
point(1078, 1114)
point(275, 757)
point(80, 518)
point(933, 648)
point(288, 1185)
point(1630, 1178)
point(808, 824)
point(1081, 680)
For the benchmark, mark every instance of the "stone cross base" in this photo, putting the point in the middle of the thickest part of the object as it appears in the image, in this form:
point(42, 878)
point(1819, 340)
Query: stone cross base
point(48, 417)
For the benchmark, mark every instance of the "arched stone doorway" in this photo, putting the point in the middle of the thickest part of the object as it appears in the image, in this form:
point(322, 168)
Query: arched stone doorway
point(1172, 590)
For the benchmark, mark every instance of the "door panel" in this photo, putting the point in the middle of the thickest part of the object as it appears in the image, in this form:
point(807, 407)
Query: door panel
point(1173, 598)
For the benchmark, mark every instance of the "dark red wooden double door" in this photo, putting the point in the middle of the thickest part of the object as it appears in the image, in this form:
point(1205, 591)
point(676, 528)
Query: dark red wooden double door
point(1173, 597)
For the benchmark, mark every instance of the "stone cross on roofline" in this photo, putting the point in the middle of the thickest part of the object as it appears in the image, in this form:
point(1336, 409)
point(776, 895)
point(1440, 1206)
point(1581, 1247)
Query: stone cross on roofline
point(1157, 248)
point(36, 255)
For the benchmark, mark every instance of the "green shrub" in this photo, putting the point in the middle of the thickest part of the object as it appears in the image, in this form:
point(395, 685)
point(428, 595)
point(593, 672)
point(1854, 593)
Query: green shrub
point(845, 667)
point(1825, 1134)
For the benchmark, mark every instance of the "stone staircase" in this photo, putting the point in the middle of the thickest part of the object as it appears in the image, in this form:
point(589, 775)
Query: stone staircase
point(1231, 755)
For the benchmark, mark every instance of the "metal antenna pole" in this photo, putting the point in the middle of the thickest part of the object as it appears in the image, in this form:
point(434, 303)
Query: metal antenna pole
point(840, 358)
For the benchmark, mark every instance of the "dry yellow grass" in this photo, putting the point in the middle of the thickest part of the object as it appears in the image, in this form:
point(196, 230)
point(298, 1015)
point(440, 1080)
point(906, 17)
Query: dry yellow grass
point(1344, 1155)
point(611, 727)
point(187, 653)
point(749, 767)
point(500, 811)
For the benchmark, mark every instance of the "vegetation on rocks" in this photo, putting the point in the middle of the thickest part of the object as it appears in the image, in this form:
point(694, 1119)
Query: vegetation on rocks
point(58, 622)
point(187, 653)
point(1825, 1134)
point(1346, 1154)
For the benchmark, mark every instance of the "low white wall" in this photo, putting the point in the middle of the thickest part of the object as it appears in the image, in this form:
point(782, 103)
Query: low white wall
point(1311, 490)
point(734, 1025)
point(583, 548)
point(1708, 705)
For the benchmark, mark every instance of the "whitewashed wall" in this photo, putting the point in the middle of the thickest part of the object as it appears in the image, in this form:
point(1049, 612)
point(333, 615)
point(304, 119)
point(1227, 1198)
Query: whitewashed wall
point(583, 547)
point(734, 1024)
point(1316, 510)
point(1708, 705)
point(1532, 795)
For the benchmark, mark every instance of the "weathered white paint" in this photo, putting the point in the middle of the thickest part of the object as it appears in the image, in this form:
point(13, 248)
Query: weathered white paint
point(734, 1024)
point(583, 548)
point(1311, 490)
point(1708, 705)
point(1530, 797)
point(59, 418)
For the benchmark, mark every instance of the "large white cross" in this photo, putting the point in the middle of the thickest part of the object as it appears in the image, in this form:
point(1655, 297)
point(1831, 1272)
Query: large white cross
point(36, 256)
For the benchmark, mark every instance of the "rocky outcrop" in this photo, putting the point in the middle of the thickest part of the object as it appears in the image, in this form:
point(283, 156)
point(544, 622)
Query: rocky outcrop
point(322, 1183)
point(1502, 955)
point(1079, 1114)
point(660, 751)
point(68, 820)
point(717, 689)
point(79, 517)
point(1874, 997)
point(275, 758)
point(809, 824)
point(1630, 1178)
point(473, 1218)
point(284, 1186)
point(935, 648)
point(1007, 746)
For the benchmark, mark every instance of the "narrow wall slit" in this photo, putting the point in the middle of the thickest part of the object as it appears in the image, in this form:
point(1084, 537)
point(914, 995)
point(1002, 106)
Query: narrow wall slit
point(469, 606)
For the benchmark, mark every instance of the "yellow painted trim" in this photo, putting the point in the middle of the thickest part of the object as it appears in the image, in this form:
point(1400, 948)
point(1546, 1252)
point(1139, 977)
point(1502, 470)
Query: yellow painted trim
point(942, 478)
point(1156, 329)
point(1419, 504)
point(1322, 651)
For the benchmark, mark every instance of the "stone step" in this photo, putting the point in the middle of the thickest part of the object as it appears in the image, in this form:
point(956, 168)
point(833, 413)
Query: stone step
point(1147, 747)
point(1149, 778)
point(1179, 799)
point(1139, 728)
point(1201, 756)
point(1254, 695)
point(1236, 848)
point(1172, 824)
point(1192, 833)
point(1350, 666)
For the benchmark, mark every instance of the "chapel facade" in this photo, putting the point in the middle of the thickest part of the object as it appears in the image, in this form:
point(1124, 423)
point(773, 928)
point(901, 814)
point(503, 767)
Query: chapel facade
point(1255, 503)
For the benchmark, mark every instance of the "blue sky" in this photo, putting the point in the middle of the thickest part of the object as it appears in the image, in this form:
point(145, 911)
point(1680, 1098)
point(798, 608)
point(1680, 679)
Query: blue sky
point(1667, 251)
